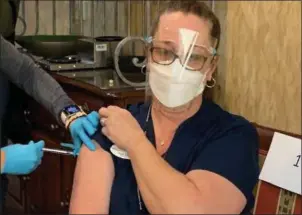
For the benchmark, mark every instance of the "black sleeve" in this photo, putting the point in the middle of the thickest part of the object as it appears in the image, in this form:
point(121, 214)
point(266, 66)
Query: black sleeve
point(234, 156)
point(24, 73)
point(102, 140)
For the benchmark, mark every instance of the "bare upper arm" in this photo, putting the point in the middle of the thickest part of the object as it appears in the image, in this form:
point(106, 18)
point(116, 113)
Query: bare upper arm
point(218, 195)
point(92, 183)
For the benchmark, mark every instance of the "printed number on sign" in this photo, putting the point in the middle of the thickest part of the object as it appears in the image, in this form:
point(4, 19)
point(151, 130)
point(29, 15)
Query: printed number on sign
point(298, 160)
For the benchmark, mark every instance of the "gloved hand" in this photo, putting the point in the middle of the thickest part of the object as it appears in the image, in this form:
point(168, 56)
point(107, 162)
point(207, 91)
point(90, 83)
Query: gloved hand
point(81, 129)
point(22, 159)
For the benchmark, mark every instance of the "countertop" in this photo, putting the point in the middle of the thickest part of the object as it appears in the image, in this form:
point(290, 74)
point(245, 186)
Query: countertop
point(104, 82)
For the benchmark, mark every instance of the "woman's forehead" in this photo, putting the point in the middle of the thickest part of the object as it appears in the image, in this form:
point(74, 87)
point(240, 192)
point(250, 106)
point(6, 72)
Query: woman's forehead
point(171, 23)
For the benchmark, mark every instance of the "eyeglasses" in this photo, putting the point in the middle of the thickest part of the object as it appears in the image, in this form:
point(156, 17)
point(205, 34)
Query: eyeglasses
point(196, 61)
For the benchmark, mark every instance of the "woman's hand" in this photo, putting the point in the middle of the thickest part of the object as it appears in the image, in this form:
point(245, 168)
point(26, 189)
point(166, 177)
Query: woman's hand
point(120, 127)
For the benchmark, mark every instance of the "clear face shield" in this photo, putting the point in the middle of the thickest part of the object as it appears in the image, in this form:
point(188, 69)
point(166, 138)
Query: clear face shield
point(178, 63)
point(176, 66)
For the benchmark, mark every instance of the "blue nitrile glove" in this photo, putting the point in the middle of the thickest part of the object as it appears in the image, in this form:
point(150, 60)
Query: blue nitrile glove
point(81, 129)
point(22, 159)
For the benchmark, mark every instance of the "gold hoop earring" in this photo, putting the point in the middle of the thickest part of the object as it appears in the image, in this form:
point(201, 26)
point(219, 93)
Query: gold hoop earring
point(213, 84)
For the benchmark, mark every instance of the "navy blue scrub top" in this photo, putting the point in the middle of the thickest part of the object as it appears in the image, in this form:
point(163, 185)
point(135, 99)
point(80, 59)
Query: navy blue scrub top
point(212, 140)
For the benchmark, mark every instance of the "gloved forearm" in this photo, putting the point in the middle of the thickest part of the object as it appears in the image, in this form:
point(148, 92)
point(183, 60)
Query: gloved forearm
point(23, 72)
point(81, 130)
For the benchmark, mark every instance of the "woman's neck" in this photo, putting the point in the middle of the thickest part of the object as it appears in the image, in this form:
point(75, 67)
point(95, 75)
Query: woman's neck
point(177, 115)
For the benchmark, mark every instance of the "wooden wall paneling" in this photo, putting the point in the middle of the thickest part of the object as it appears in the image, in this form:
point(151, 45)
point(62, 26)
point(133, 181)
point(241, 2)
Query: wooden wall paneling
point(45, 17)
point(99, 18)
point(72, 16)
point(124, 23)
point(220, 10)
point(122, 18)
point(110, 18)
point(30, 17)
point(87, 17)
point(134, 23)
point(92, 15)
point(134, 17)
point(76, 17)
point(155, 6)
point(148, 14)
point(137, 24)
point(263, 81)
point(62, 17)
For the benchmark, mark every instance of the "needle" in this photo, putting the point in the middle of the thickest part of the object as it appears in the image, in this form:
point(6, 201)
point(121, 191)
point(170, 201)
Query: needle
point(62, 152)
point(58, 151)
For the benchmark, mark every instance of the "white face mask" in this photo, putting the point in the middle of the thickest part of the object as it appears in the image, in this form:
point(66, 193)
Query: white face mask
point(172, 88)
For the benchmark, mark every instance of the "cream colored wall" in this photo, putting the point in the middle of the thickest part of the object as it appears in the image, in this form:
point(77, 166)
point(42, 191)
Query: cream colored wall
point(260, 71)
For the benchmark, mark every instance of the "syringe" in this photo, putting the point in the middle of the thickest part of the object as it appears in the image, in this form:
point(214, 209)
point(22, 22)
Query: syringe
point(58, 151)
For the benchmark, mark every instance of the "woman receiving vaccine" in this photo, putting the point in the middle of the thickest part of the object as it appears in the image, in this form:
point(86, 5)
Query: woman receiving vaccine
point(177, 153)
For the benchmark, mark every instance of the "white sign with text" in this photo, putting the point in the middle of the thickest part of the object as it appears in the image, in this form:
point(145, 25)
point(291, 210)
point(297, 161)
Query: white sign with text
point(282, 166)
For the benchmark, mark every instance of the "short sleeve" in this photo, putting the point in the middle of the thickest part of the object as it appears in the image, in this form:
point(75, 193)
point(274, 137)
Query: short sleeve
point(137, 111)
point(234, 156)
point(102, 140)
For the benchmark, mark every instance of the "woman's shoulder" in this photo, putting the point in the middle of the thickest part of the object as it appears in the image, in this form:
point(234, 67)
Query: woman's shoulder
point(139, 111)
point(138, 108)
point(223, 122)
point(228, 147)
